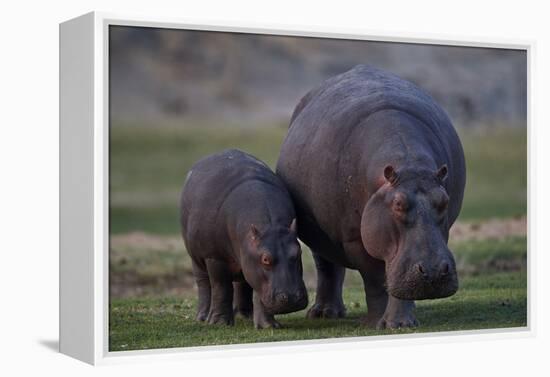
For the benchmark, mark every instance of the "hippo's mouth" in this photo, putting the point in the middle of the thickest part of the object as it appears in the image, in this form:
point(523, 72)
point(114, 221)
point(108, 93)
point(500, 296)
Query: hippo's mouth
point(422, 279)
point(291, 306)
point(419, 289)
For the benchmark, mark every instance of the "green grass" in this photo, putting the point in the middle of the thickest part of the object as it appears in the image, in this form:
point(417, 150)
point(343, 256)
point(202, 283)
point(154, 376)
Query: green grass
point(480, 257)
point(496, 171)
point(483, 302)
point(148, 166)
point(492, 294)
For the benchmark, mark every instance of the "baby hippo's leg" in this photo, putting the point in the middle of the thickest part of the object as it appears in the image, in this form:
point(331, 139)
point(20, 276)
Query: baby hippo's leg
point(242, 299)
point(262, 320)
point(203, 285)
point(221, 305)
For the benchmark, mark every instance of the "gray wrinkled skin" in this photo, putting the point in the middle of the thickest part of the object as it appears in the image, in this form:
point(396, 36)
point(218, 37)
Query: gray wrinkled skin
point(377, 174)
point(238, 224)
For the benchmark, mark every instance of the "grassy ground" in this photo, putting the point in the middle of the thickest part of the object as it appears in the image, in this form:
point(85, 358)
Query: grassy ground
point(492, 301)
point(492, 294)
point(496, 163)
point(152, 289)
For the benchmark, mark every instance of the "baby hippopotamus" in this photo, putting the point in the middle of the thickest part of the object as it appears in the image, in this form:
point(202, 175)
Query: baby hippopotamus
point(238, 224)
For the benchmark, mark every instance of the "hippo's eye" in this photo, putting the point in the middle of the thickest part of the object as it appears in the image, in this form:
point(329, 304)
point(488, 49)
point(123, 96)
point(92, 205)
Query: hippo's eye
point(400, 204)
point(442, 203)
point(266, 260)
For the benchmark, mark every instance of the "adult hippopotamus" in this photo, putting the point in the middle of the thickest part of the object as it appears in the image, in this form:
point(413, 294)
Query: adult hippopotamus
point(377, 174)
point(238, 224)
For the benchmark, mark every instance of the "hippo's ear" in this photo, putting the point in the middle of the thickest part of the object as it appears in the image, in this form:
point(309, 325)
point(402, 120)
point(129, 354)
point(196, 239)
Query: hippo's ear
point(254, 233)
point(293, 225)
point(390, 174)
point(441, 173)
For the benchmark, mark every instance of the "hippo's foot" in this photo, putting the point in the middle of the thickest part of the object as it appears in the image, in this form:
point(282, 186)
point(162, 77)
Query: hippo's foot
point(328, 300)
point(398, 314)
point(397, 323)
point(376, 306)
point(266, 322)
point(202, 315)
point(373, 320)
point(326, 310)
point(221, 318)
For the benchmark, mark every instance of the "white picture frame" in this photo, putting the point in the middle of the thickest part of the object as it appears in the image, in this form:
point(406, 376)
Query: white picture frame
point(84, 162)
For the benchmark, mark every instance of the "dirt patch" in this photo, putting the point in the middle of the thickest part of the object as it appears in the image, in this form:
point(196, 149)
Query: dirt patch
point(141, 240)
point(461, 231)
point(142, 264)
point(496, 229)
point(132, 284)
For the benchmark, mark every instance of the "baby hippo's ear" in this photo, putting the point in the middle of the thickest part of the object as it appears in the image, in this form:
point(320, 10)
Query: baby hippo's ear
point(442, 173)
point(293, 225)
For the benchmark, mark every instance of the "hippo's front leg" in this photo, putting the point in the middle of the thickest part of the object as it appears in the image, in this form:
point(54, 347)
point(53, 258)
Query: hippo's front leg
point(385, 311)
point(398, 314)
point(221, 306)
point(262, 320)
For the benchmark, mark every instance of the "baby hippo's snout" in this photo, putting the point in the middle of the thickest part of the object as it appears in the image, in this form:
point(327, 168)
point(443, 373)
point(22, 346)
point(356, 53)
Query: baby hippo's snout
point(281, 299)
point(289, 301)
point(293, 299)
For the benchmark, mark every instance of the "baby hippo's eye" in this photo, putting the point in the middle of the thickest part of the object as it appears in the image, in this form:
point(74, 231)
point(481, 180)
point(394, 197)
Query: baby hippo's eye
point(266, 260)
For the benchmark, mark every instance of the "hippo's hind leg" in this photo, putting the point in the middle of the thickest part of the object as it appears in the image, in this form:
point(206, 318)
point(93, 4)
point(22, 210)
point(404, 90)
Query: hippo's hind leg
point(242, 299)
point(221, 304)
point(203, 286)
point(328, 300)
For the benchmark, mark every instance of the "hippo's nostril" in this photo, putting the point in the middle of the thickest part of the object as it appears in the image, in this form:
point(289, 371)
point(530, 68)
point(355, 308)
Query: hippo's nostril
point(420, 267)
point(282, 298)
point(444, 269)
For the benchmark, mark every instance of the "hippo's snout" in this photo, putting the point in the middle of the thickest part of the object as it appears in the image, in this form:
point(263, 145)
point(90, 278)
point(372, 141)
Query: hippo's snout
point(424, 280)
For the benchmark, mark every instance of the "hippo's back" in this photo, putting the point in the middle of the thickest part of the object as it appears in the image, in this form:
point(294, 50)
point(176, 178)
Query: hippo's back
point(212, 179)
point(325, 156)
point(344, 100)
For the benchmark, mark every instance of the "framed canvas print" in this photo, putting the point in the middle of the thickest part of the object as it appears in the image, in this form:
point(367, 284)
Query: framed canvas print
point(225, 188)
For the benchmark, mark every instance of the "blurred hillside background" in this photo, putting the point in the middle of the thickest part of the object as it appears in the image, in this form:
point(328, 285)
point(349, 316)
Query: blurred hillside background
point(177, 96)
point(180, 77)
